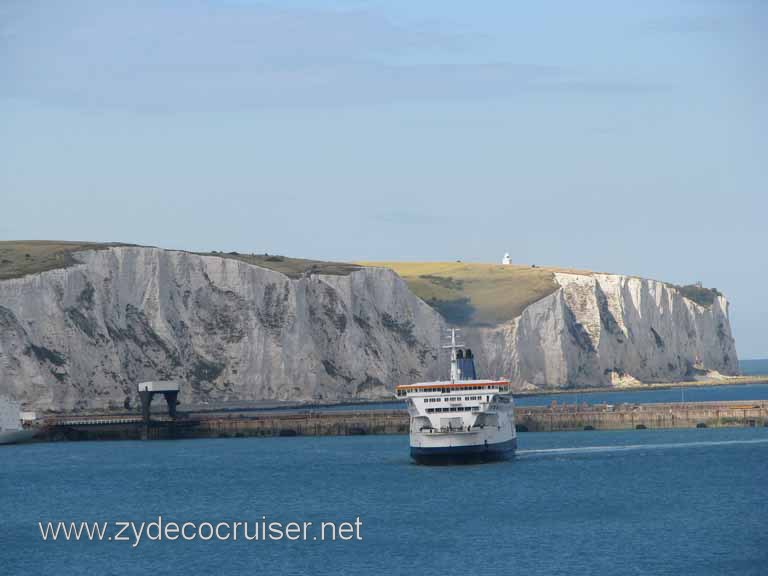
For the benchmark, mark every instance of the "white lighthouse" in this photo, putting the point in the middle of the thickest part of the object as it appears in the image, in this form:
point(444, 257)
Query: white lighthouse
point(506, 259)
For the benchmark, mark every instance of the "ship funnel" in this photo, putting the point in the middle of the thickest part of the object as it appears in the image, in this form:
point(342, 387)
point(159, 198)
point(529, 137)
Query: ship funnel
point(467, 365)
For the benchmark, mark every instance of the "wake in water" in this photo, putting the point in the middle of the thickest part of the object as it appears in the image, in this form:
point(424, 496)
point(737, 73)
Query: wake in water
point(629, 447)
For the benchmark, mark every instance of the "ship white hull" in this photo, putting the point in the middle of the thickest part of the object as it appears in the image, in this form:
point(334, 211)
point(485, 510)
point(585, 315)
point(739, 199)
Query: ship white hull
point(463, 447)
point(15, 436)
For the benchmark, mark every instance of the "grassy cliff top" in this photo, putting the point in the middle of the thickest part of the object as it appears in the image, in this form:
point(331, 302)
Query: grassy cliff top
point(464, 293)
point(479, 294)
point(697, 293)
point(22, 257)
point(291, 267)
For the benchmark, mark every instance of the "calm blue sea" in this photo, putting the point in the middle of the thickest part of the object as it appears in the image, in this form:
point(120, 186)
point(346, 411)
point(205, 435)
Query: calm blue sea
point(631, 502)
point(752, 367)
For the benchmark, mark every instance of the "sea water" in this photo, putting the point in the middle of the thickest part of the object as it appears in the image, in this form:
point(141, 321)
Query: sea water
point(619, 502)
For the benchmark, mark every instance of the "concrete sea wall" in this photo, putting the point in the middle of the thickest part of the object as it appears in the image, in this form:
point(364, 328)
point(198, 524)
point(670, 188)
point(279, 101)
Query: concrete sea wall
point(344, 423)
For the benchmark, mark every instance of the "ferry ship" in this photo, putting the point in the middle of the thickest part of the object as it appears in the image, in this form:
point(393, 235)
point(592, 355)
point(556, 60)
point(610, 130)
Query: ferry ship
point(461, 420)
point(12, 428)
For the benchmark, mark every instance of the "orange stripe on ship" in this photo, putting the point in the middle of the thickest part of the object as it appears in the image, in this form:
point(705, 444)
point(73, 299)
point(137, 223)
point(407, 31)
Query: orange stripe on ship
point(458, 385)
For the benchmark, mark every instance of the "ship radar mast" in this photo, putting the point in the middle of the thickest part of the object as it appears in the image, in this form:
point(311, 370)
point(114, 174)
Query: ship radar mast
point(453, 346)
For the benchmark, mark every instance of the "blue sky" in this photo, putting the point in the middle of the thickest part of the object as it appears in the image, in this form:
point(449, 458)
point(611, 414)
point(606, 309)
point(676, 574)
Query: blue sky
point(616, 136)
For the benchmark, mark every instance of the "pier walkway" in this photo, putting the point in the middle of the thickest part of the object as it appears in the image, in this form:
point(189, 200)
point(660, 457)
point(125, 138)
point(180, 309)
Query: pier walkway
point(557, 417)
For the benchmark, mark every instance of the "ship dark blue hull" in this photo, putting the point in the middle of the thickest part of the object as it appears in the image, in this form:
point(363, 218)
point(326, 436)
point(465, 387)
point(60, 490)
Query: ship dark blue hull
point(465, 454)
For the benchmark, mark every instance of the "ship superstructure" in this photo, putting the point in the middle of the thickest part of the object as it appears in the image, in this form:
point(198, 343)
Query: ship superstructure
point(462, 419)
point(12, 429)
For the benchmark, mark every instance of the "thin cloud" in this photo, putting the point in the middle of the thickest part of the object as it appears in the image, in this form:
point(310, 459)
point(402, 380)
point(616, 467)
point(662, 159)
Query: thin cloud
point(154, 56)
point(403, 217)
point(683, 25)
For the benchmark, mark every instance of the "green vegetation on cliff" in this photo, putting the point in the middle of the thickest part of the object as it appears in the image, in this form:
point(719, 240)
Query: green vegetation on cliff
point(22, 257)
point(697, 293)
point(291, 267)
point(465, 294)
point(475, 294)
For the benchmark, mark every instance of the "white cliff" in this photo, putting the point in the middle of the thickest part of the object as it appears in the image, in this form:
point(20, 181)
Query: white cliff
point(609, 330)
point(83, 336)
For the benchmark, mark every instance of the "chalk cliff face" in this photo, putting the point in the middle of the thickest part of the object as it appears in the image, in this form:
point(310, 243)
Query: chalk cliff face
point(83, 336)
point(610, 330)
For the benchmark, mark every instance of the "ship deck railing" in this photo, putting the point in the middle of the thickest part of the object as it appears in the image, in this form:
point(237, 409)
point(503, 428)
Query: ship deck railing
point(466, 430)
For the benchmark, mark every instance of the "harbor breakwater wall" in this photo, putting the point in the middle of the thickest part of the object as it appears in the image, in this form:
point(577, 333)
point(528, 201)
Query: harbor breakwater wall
point(344, 423)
